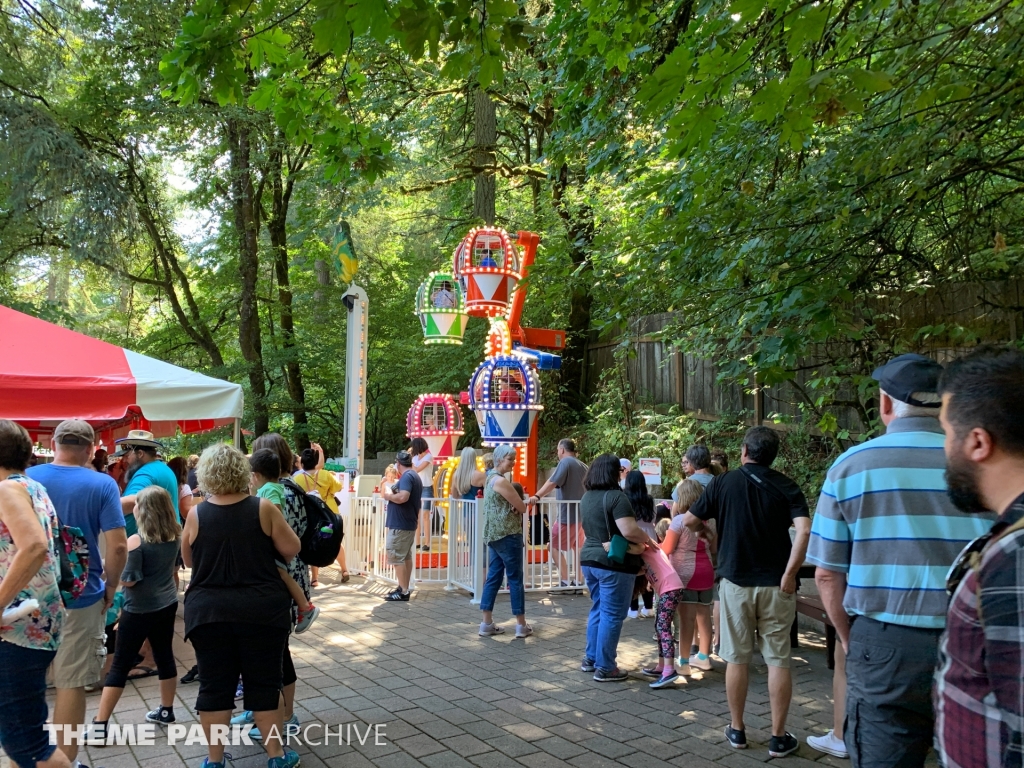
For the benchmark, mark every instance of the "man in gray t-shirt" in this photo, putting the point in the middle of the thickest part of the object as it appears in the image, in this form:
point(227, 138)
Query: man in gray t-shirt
point(567, 481)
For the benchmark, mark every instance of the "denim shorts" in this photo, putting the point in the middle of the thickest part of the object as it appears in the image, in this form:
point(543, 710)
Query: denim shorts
point(23, 703)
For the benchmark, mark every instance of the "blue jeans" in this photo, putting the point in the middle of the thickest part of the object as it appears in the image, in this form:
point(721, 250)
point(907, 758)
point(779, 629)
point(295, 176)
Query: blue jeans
point(23, 704)
point(505, 559)
point(610, 592)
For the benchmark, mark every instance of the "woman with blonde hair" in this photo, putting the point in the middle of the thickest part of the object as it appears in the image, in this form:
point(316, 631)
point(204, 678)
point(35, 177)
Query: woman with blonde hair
point(238, 612)
point(150, 605)
point(691, 557)
point(468, 481)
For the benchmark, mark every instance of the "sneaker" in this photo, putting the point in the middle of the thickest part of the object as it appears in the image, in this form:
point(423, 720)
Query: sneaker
point(737, 739)
point(523, 631)
point(245, 718)
point(780, 746)
point(398, 596)
point(97, 733)
point(306, 619)
point(239, 692)
point(830, 744)
point(651, 671)
point(291, 728)
point(290, 759)
point(587, 666)
point(632, 614)
point(191, 676)
point(700, 661)
point(487, 630)
point(208, 763)
point(161, 715)
point(665, 682)
point(614, 676)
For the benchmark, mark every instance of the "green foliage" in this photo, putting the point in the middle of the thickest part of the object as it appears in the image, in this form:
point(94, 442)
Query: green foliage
point(619, 424)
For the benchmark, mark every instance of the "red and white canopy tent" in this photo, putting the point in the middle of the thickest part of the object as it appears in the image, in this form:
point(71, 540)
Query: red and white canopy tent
point(48, 374)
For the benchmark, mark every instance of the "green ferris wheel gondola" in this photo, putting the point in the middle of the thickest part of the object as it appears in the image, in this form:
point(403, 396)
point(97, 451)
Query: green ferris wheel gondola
point(441, 307)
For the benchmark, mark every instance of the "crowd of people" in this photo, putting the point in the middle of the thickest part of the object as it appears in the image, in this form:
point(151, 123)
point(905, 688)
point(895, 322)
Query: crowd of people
point(132, 520)
point(917, 546)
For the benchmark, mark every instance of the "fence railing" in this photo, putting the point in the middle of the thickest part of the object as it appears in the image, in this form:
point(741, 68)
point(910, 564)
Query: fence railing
point(449, 547)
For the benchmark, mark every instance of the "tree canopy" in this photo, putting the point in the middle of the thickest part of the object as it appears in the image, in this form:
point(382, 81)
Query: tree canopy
point(783, 175)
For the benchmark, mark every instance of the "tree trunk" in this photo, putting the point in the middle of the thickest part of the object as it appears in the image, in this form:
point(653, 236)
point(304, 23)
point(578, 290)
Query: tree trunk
point(243, 201)
point(579, 229)
point(277, 228)
point(485, 138)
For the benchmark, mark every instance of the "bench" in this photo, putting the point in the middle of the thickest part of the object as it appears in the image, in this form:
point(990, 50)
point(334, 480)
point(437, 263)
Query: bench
point(812, 607)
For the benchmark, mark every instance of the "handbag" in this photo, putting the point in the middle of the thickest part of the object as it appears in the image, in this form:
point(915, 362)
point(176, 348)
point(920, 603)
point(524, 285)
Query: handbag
point(618, 545)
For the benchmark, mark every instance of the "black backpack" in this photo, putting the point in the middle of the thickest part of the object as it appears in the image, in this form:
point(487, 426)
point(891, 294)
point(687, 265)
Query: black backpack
point(321, 542)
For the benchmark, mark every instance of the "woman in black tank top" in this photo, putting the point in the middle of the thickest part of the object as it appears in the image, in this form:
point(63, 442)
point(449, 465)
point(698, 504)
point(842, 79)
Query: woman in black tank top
point(237, 608)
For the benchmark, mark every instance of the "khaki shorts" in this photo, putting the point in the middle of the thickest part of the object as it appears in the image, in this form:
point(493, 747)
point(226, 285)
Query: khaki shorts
point(79, 659)
point(767, 610)
point(398, 546)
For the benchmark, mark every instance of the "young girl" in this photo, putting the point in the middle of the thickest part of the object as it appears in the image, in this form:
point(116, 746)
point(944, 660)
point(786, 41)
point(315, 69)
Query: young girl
point(691, 557)
point(150, 604)
point(635, 487)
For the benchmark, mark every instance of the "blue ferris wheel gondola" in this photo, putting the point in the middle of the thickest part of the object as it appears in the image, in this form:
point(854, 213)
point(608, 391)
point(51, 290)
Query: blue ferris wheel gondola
point(505, 397)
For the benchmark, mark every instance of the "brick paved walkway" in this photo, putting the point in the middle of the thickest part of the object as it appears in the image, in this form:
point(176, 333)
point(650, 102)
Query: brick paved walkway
point(451, 699)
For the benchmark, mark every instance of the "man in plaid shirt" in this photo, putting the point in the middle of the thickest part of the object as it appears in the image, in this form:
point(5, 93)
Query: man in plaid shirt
point(979, 685)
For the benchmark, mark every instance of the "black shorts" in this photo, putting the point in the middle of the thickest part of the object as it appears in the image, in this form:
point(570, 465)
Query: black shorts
point(227, 650)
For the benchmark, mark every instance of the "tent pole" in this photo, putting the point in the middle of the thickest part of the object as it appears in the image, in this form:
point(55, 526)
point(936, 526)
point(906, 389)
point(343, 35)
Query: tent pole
point(237, 430)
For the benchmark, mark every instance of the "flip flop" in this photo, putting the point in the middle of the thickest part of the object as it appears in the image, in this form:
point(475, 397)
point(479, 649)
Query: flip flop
point(146, 672)
point(314, 583)
point(345, 576)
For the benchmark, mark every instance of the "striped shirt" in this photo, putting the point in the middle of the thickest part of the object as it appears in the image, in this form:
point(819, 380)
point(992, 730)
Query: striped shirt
point(885, 520)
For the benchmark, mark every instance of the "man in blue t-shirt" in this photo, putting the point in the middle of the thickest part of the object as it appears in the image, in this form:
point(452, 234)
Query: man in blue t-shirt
point(85, 499)
point(402, 517)
point(144, 470)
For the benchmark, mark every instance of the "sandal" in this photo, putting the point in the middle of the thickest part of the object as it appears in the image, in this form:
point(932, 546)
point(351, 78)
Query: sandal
point(345, 576)
point(146, 672)
point(314, 583)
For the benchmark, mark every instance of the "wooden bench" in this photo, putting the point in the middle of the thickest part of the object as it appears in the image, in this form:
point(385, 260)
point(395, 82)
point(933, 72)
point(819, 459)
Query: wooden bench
point(812, 607)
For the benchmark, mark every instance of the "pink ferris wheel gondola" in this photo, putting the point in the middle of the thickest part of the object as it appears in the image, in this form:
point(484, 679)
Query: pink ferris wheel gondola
point(437, 418)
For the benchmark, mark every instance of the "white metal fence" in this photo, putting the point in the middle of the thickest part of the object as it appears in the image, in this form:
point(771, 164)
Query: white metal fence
point(449, 547)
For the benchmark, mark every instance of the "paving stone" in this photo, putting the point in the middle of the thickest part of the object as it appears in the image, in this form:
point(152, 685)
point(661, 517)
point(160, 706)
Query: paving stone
point(449, 699)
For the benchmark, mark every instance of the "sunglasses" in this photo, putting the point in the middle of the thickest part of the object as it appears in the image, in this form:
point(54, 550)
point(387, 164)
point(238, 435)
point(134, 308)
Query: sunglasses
point(963, 563)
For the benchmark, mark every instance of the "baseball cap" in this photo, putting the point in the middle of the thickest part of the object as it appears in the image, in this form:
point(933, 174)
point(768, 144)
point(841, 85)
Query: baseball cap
point(902, 376)
point(404, 458)
point(74, 432)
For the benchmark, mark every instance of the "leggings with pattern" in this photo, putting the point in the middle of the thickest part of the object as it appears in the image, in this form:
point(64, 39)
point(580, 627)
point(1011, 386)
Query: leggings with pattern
point(667, 604)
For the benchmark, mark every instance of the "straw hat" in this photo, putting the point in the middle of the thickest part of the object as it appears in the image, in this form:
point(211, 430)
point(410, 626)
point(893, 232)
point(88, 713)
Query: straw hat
point(137, 438)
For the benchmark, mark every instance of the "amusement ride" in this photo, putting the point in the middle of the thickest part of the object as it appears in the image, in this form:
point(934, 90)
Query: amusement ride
point(486, 281)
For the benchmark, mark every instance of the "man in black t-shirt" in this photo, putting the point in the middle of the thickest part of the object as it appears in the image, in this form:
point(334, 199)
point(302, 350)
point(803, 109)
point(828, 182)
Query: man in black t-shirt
point(757, 562)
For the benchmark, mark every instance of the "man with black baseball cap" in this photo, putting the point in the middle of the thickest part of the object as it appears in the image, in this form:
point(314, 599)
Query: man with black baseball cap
point(88, 500)
point(402, 516)
point(883, 537)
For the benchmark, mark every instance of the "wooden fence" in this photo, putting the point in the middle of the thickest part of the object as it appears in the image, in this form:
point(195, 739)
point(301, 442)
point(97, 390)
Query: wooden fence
point(958, 316)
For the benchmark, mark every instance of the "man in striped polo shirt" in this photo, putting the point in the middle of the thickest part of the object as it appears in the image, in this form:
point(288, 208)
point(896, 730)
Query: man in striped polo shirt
point(883, 537)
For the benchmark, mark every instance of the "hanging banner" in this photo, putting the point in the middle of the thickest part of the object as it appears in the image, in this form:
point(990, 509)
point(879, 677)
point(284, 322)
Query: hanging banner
point(344, 255)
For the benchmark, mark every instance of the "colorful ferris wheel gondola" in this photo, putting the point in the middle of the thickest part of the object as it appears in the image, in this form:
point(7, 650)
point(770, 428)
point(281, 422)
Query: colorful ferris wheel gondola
point(487, 265)
point(437, 418)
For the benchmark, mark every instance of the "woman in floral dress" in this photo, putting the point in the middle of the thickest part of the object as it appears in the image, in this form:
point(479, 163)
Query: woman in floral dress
point(29, 570)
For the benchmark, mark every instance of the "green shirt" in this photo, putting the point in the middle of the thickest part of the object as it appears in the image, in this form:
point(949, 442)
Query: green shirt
point(500, 518)
point(273, 492)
